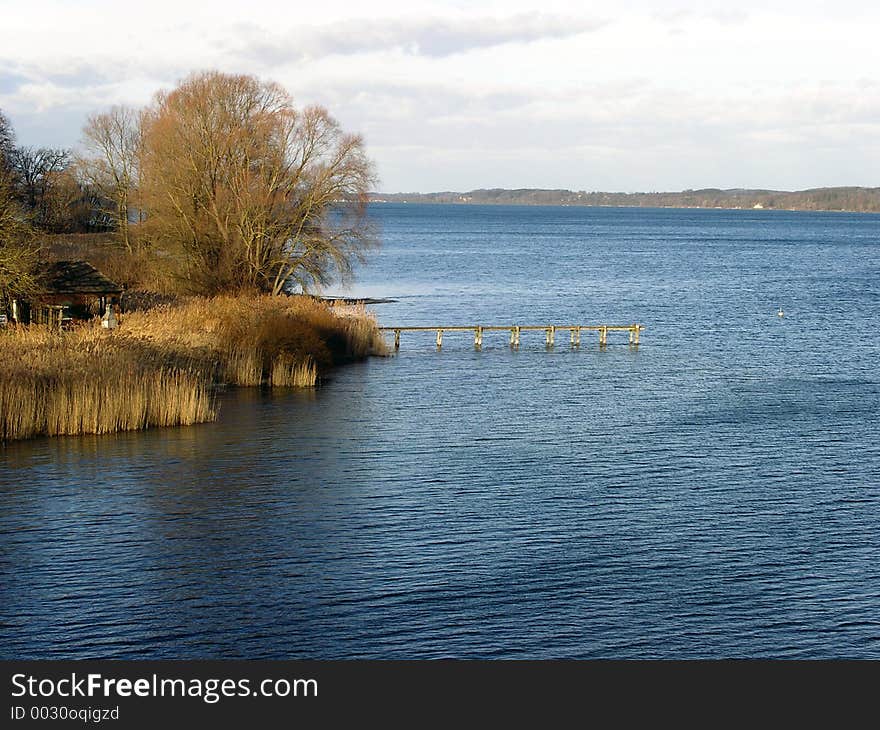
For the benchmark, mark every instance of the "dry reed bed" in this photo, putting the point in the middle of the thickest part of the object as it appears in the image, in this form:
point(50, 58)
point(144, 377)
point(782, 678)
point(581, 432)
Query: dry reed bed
point(91, 382)
point(159, 367)
point(255, 340)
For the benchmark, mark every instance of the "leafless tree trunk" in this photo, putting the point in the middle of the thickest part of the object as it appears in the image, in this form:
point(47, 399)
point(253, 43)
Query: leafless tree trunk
point(112, 141)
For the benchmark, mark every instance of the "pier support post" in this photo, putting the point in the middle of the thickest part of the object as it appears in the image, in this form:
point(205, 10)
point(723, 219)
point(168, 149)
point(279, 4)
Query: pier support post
point(633, 330)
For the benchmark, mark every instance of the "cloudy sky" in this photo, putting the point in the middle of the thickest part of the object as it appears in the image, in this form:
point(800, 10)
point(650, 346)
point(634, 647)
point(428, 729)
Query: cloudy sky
point(455, 95)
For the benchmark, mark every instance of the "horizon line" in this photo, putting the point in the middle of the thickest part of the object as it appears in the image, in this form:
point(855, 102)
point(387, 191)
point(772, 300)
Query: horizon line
point(632, 192)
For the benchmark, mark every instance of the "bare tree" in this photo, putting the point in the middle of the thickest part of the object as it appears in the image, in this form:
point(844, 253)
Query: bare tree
point(71, 206)
point(37, 172)
point(251, 192)
point(110, 166)
point(7, 141)
point(18, 253)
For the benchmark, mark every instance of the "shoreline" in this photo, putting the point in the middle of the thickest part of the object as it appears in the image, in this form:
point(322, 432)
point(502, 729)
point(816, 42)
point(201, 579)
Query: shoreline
point(164, 366)
point(836, 199)
point(622, 207)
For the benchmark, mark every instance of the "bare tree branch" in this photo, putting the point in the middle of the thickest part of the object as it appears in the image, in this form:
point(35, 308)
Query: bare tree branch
point(249, 191)
point(110, 166)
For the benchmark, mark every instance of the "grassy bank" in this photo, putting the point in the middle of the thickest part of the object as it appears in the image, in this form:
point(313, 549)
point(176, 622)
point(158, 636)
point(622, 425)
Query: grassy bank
point(160, 367)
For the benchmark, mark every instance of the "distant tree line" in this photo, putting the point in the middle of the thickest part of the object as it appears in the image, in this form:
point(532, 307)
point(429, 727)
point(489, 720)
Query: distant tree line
point(854, 199)
point(45, 183)
point(222, 183)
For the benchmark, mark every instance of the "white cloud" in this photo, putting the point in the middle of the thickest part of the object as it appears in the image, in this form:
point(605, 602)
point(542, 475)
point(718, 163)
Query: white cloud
point(469, 94)
point(435, 37)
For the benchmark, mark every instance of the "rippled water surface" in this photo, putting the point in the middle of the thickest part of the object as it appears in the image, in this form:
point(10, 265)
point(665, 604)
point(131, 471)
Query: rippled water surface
point(713, 494)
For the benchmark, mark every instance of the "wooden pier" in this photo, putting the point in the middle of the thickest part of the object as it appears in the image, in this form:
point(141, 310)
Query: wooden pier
point(574, 330)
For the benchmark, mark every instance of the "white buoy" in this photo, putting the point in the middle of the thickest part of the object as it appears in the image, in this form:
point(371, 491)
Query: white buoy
point(780, 313)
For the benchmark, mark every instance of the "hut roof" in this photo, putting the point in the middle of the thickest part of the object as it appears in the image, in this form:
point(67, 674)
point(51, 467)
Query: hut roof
point(77, 277)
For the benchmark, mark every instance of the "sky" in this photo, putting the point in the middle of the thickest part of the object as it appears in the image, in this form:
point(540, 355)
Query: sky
point(616, 96)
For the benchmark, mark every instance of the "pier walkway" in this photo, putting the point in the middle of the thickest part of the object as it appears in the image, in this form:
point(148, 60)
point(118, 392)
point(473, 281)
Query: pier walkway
point(634, 330)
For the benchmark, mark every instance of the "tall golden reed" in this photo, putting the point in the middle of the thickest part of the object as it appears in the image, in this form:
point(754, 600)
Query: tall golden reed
point(160, 367)
point(90, 382)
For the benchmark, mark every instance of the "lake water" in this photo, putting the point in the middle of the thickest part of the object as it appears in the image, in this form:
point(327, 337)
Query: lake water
point(715, 493)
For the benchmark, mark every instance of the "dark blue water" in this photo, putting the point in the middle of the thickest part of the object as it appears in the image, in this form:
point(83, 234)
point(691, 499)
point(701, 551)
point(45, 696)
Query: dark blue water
point(713, 494)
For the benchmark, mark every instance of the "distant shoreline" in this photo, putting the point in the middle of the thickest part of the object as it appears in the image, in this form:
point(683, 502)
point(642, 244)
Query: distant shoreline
point(831, 200)
point(634, 207)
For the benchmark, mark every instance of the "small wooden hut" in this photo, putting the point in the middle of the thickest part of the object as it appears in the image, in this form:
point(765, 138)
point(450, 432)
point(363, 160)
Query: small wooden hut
point(71, 290)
